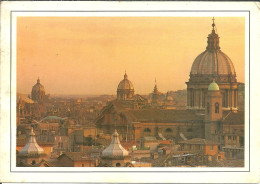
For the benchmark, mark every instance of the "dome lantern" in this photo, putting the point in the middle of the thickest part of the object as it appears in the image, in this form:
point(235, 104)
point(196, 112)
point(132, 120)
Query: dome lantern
point(213, 39)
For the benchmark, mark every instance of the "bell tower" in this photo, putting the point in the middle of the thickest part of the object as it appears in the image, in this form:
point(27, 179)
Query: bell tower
point(213, 112)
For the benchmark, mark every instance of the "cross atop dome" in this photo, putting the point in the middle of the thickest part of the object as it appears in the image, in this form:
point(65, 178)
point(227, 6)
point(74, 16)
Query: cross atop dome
point(213, 39)
point(213, 24)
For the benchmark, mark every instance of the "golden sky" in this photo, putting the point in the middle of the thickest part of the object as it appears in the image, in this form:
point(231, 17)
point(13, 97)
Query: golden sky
point(89, 55)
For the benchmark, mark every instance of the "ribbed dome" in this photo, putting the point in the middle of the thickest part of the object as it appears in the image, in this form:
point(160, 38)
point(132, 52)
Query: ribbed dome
point(115, 149)
point(38, 87)
point(31, 148)
point(213, 60)
point(125, 84)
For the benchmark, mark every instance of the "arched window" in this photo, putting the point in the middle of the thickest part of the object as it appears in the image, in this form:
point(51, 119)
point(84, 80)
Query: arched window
point(207, 107)
point(33, 162)
point(147, 130)
point(168, 130)
point(118, 164)
point(217, 107)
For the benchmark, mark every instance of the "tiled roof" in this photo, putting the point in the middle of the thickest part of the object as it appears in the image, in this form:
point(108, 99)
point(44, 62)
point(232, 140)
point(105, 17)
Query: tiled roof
point(234, 117)
point(164, 115)
point(76, 156)
point(198, 141)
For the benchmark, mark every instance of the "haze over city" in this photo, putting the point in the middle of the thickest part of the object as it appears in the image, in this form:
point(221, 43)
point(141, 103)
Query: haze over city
point(89, 55)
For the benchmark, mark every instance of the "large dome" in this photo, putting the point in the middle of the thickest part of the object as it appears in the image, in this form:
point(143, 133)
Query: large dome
point(213, 61)
point(212, 64)
point(125, 84)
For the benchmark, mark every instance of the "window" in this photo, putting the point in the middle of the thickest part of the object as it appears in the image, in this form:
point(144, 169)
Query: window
point(82, 165)
point(189, 130)
point(33, 162)
point(147, 130)
point(207, 107)
point(168, 130)
point(118, 164)
point(217, 107)
point(211, 147)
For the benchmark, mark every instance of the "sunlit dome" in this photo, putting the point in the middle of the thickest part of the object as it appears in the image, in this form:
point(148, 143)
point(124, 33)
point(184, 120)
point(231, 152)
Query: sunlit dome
point(125, 84)
point(213, 86)
point(212, 60)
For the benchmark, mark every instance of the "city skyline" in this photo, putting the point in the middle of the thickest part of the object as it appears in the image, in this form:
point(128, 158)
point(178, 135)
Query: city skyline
point(92, 53)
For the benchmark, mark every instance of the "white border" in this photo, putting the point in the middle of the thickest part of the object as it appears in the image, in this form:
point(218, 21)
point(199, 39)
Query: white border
point(5, 76)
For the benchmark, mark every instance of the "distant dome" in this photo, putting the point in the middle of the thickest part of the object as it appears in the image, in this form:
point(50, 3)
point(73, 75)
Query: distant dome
point(31, 149)
point(169, 98)
point(115, 149)
point(38, 87)
point(38, 92)
point(125, 84)
point(213, 86)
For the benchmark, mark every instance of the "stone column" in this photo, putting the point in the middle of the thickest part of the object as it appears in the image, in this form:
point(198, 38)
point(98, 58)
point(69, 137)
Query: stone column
point(188, 97)
point(228, 99)
point(201, 98)
point(238, 144)
point(232, 98)
point(192, 98)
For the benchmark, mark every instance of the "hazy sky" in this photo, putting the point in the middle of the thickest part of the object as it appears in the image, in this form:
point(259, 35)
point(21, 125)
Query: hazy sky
point(89, 55)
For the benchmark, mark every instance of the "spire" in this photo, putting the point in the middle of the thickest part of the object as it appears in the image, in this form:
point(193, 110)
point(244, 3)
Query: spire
point(155, 90)
point(38, 81)
point(125, 76)
point(213, 38)
point(32, 136)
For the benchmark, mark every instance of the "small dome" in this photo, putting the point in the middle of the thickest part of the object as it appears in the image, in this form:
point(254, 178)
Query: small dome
point(213, 86)
point(125, 84)
point(169, 98)
point(115, 149)
point(31, 148)
point(38, 87)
